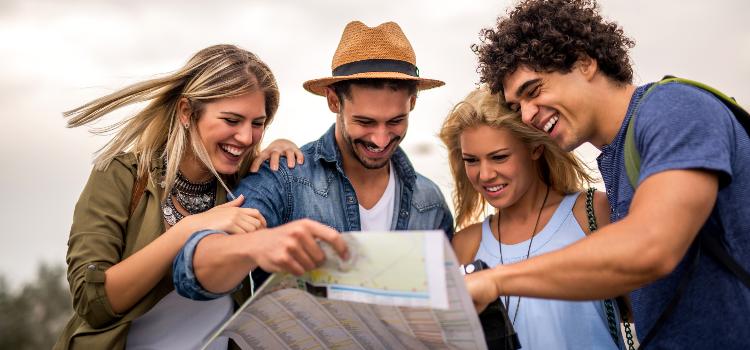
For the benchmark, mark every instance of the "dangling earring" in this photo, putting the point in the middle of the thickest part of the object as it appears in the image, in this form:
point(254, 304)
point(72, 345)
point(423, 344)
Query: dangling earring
point(186, 125)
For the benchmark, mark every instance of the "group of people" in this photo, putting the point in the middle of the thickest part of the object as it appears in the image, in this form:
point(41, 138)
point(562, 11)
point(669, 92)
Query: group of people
point(183, 214)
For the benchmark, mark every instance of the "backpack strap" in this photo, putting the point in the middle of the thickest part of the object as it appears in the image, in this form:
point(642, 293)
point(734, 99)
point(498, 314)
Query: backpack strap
point(713, 248)
point(692, 265)
point(716, 250)
point(710, 243)
point(633, 158)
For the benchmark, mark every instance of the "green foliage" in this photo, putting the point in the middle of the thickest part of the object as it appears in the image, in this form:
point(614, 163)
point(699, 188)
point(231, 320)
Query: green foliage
point(33, 316)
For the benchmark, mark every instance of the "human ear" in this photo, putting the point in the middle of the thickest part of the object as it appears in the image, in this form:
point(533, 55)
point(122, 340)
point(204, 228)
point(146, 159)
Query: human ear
point(413, 102)
point(184, 111)
point(333, 101)
point(588, 67)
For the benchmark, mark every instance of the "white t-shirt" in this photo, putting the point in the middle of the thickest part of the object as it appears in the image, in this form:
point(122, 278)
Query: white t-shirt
point(378, 218)
point(176, 322)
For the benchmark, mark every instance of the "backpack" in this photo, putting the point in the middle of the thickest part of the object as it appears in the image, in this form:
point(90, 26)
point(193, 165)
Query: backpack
point(708, 243)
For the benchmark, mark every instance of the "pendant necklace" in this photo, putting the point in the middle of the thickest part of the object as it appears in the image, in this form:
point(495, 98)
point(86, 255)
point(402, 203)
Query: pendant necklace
point(528, 250)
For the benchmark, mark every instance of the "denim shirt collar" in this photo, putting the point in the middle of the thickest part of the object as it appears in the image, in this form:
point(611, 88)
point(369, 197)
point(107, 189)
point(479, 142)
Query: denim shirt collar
point(326, 150)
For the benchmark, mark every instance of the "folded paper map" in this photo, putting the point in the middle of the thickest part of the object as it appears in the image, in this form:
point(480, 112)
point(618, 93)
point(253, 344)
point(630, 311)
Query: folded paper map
point(399, 290)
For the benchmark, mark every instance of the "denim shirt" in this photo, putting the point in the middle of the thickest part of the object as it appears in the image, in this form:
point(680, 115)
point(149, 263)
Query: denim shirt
point(320, 190)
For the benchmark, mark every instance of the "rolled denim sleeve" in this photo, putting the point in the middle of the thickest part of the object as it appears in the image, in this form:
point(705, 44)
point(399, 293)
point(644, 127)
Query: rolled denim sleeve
point(183, 274)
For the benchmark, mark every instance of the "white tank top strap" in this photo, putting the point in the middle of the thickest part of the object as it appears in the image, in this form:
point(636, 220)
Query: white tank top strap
point(568, 202)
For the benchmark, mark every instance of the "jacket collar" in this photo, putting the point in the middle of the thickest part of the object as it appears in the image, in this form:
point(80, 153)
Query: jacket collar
point(326, 150)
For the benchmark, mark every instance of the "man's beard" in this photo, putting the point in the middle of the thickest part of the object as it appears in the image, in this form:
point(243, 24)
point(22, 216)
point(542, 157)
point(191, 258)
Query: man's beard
point(367, 162)
point(352, 148)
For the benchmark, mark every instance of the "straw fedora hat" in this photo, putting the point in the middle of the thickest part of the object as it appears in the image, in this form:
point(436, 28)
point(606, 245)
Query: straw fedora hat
point(382, 52)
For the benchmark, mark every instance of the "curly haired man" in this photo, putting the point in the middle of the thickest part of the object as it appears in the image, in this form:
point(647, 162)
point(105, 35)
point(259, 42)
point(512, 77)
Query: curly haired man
point(566, 70)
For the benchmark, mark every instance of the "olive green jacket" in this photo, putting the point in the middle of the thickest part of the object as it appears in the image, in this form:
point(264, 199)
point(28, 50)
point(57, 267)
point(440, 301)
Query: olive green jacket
point(103, 234)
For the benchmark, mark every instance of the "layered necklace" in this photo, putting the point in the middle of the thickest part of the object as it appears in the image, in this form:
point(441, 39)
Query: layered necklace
point(528, 250)
point(193, 197)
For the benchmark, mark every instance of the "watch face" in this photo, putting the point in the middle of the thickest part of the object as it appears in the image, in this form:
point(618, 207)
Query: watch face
point(475, 266)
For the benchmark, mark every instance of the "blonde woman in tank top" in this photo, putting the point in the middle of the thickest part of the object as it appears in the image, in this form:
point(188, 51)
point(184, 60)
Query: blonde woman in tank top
point(535, 192)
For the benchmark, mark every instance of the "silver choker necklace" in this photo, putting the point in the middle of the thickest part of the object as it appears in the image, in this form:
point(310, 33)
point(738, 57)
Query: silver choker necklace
point(194, 198)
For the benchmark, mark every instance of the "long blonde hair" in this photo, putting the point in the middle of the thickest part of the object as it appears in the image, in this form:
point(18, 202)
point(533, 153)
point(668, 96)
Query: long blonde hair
point(215, 72)
point(560, 170)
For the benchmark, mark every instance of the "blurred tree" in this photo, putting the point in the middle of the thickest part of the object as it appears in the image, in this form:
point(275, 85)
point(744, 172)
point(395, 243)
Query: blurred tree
point(33, 316)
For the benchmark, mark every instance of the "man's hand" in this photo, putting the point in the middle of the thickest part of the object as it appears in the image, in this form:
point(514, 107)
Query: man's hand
point(274, 151)
point(293, 247)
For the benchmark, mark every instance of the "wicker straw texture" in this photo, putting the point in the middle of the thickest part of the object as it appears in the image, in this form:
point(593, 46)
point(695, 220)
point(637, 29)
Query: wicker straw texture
point(359, 43)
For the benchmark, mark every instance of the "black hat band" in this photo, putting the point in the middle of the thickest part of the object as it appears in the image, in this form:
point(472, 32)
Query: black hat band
point(376, 65)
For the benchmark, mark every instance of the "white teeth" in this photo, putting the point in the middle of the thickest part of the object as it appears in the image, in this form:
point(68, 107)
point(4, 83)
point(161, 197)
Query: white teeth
point(494, 188)
point(373, 149)
point(551, 123)
point(232, 150)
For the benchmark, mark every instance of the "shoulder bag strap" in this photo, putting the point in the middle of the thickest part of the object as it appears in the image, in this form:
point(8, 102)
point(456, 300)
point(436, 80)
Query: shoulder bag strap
point(139, 186)
point(622, 303)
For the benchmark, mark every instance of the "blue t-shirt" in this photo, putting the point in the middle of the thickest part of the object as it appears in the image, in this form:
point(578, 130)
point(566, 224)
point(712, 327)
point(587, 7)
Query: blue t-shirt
point(682, 127)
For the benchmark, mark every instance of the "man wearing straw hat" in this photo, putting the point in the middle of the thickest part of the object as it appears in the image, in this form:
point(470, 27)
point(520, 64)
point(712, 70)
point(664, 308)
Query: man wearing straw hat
point(355, 177)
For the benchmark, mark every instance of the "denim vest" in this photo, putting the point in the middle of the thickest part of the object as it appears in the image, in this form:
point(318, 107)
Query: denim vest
point(320, 190)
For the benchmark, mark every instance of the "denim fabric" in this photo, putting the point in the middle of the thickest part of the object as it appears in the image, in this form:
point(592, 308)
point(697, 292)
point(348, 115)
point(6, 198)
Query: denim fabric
point(183, 274)
point(319, 190)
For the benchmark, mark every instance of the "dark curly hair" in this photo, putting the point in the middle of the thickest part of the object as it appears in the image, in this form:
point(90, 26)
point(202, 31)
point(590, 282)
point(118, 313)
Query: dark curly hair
point(551, 36)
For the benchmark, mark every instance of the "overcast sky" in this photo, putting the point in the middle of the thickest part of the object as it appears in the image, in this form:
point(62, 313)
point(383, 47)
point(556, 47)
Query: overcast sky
point(57, 55)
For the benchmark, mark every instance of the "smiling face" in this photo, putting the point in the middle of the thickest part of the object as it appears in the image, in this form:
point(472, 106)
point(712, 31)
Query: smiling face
point(371, 124)
point(229, 128)
point(498, 165)
point(555, 103)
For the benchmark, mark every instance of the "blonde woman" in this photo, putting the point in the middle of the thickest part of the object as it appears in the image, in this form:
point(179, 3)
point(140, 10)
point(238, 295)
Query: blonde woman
point(535, 189)
point(166, 174)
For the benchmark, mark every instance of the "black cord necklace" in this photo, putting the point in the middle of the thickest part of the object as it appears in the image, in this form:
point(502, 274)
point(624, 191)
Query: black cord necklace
point(528, 250)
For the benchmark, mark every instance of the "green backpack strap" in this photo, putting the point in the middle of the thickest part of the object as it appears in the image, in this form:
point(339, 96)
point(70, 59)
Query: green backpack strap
point(633, 158)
